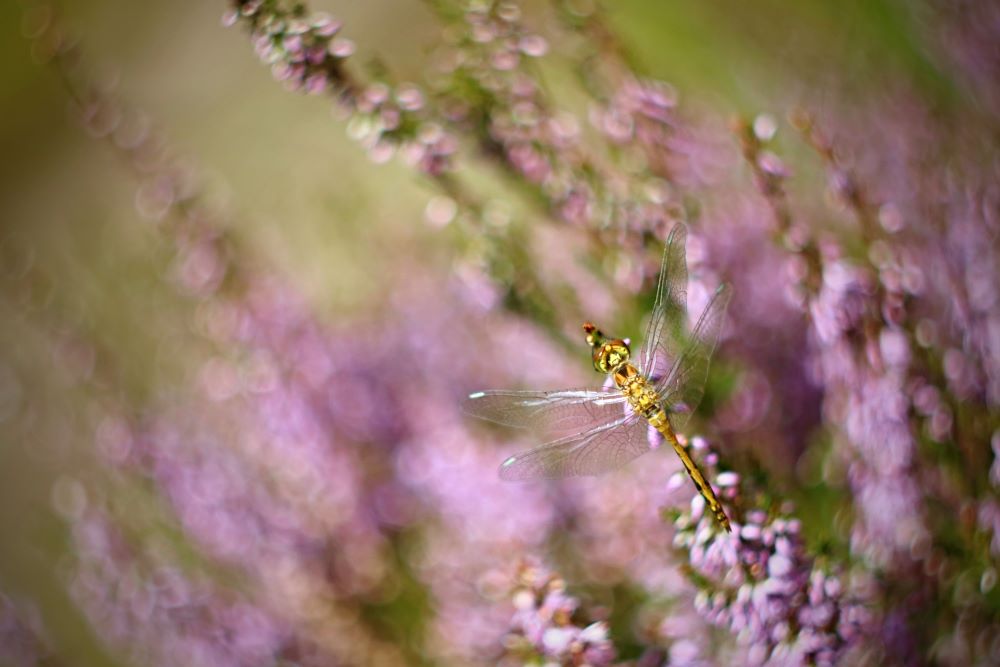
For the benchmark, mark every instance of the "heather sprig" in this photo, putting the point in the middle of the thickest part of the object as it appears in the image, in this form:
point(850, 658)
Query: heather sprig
point(881, 370)
point(505, 106)
point(502, 103)
point(306, 52)
point(760, 581)
point(544, 628)
point(891, 334)
point(770, 175)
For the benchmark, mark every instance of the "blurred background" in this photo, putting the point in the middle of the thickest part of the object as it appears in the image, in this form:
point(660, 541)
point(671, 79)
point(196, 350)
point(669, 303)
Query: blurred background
point(172, 458)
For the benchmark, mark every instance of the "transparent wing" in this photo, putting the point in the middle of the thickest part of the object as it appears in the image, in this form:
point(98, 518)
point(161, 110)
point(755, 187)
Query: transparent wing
point(682, 388)
point(592, 453)
point(666, 324)
point(550, 413)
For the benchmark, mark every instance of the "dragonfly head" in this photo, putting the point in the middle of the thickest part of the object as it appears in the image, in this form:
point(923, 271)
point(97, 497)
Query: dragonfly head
point(608, 354)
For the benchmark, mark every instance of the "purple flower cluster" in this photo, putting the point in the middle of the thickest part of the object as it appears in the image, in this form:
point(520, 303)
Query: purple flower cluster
point(771, 174)
point(540, 144)
point(760, 582)
point(891, 344)
point(873, 408)
point(303, 52)
point(581, 184)
point(543, 627)
point(306, 53)
point(385, 115)
point(642, 116)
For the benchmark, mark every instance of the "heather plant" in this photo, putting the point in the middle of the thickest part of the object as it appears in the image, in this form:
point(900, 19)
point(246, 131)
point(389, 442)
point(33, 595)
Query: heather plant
point(308, 491)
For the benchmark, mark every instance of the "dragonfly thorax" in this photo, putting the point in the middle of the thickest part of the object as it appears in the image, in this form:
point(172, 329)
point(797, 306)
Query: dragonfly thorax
point(637, 390)
point(608, 354)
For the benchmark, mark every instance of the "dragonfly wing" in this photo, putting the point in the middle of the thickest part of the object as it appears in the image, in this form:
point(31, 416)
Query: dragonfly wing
point(683, 387)
point(552, 413)
point(666, 324)
point(592, 453)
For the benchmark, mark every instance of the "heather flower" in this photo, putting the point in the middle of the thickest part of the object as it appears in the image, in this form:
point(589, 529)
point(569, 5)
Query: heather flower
point(872, 406)
point(547, 146)
point(642, 115)
point(307, 53)
point(543, 628)
point(760, 582)
point(770, 176)
point(537, 142)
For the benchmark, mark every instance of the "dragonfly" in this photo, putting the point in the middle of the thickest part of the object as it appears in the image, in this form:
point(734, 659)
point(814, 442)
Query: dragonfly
point(593, 431)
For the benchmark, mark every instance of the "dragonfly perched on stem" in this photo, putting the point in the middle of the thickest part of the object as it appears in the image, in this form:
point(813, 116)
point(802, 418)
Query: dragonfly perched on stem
point(592, 431)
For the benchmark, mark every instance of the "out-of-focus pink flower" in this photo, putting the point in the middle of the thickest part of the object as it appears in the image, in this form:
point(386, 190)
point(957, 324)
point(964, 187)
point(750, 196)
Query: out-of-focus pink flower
point(543, 627)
